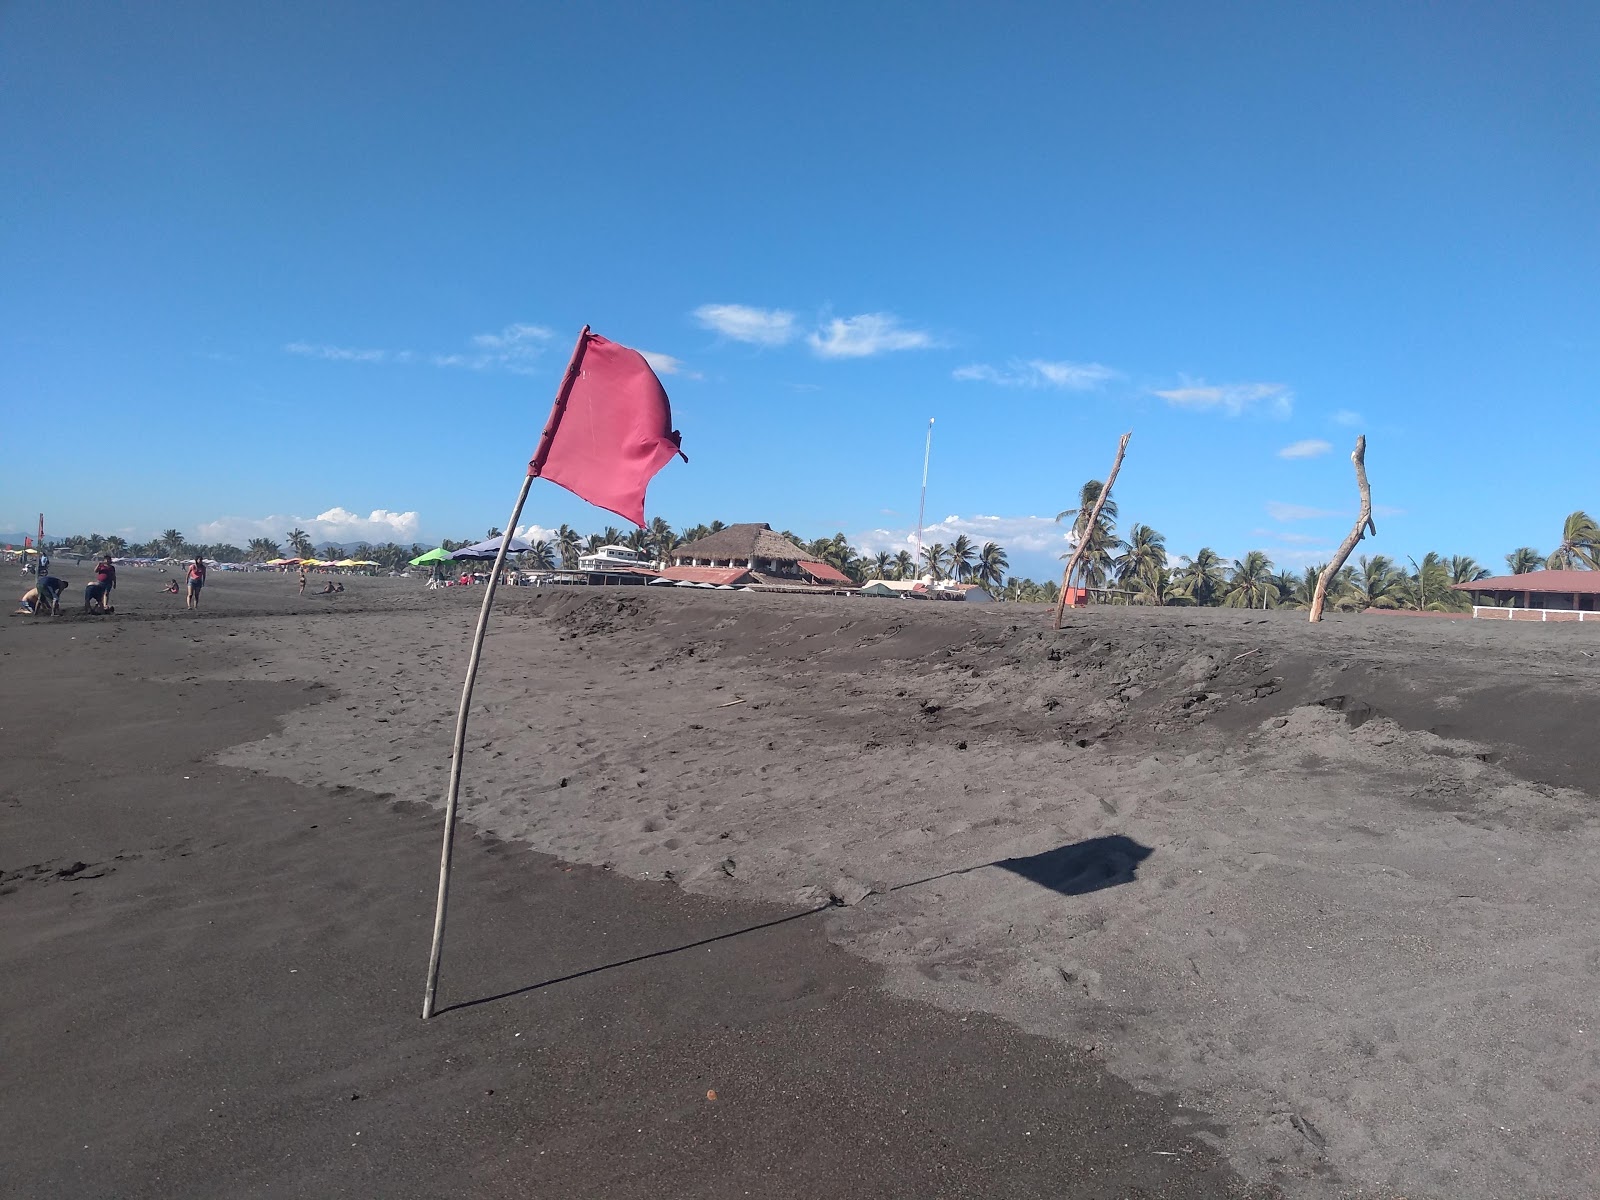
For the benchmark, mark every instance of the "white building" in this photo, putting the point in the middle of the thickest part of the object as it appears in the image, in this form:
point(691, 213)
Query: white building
point(609, 558)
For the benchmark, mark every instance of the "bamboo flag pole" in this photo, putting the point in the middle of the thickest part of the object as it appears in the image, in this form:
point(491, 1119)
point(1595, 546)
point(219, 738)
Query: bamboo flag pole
point(1094, 515)
point(1363, 523)
point(453, 792)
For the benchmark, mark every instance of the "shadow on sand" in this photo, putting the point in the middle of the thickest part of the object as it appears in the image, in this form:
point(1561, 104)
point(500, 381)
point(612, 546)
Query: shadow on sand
point(1075, 869)
point(1082, 867)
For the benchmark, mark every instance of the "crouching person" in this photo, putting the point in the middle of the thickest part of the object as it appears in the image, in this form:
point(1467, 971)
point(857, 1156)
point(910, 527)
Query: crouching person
point(95, 596)
point(46, 597)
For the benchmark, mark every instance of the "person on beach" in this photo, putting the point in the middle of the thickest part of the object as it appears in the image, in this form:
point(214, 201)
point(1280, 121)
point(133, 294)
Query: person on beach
point(302, 581)
point(47, 595)
point(95, 596)
point(197, 580)
point(172, 588)
point(105, 574)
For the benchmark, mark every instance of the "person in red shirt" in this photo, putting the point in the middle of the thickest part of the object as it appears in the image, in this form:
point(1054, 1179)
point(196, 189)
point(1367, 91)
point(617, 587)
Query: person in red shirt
point(105, 574)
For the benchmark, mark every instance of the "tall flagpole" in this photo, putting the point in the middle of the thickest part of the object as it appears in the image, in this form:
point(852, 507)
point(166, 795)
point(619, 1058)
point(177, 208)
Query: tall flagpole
point(453, 794)
point(922, 505)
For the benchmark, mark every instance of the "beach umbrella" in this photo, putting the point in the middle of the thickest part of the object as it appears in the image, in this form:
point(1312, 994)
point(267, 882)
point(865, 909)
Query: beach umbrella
point(491, 548)
point(438, 554)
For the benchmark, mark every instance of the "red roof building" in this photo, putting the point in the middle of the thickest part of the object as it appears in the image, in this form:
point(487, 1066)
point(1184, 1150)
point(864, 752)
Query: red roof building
point(1536, 596)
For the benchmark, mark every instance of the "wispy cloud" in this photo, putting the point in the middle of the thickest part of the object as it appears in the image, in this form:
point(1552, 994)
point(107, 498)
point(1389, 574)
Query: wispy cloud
point(1345, 417)
point(514, 348)
point(1309, 448)
point(1283, 535)
point(758, 326)
point(865, 335)
point(1280, 511)
point(334, 525)
point(1040, 373)
point(1033, 534)
point(1231, 398)
point(344, 353)
point(665, 364)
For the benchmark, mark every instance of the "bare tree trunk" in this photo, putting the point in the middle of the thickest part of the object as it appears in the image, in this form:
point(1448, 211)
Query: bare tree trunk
point(1094, 515)
point(1363, 526)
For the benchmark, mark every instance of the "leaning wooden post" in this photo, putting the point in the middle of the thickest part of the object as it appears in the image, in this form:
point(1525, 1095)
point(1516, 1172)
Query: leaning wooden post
point(453, 792)
point(1363, 525)
point(1094, 515)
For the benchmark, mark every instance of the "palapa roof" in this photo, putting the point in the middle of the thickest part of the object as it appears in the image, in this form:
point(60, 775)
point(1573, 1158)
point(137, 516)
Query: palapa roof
point(752, 540)
point(1569, 582)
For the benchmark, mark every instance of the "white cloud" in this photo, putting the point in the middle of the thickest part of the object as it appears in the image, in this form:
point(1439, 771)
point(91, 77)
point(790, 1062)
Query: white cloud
point(665, 364)
point(758, 326)
point(1231, 398)
point(1030, 534)
point(1040, 373)
point(866, 335)
point(1280, 511)
point(1284, 536)
point(536, 533)
point(513, 338)
point(513, 349)
point(334, 525)
point(1309, 448)
point(339, 353)
point(1345, 417)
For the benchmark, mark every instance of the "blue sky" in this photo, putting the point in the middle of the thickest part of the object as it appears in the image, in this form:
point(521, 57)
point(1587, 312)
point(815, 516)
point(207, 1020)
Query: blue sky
point(264, 263)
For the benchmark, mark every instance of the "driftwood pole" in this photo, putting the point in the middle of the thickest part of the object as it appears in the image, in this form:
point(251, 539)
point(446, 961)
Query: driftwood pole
point(458, 747)
point(1363, 526)
point(1094, 515)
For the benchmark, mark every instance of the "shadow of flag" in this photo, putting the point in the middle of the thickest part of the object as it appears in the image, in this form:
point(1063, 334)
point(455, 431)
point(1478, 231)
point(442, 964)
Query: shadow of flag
point(1081, 867)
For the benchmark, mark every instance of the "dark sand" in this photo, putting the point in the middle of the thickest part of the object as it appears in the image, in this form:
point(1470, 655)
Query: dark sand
point(209, 983)
point(1330, 890)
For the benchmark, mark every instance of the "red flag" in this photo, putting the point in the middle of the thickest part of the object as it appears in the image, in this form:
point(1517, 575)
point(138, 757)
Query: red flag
point(610, 430)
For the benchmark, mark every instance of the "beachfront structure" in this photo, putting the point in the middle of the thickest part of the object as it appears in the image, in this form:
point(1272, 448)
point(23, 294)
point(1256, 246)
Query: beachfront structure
point(898, 589)
point(766, 557)
point(1536, 596)
point(612, 557)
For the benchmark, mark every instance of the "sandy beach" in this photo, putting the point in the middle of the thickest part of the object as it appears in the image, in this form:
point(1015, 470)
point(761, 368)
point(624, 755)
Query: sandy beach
point(1174, 902)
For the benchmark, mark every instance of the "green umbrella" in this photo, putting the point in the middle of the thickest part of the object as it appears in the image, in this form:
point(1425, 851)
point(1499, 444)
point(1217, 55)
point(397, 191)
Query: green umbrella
point(440, 554)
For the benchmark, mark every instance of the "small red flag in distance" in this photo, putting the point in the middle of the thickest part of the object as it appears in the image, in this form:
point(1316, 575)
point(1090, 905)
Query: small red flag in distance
point(610, 431)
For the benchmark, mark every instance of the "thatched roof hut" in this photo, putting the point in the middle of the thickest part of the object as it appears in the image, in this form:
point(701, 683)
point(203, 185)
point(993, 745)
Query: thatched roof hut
point(740, 546)
point(771, 557)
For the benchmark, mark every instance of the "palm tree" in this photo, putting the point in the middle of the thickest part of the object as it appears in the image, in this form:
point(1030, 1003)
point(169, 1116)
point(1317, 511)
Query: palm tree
point(961, 557)
point(905, 567)
point(113, 545)
point(881, 562)
point(1524, 559)
point(1580, 544)
point(542, 556)
point(261, 549)
point(933, 558)
point(1098, 542)
point(992, 565)
point(1427, 588)
point(1465, 569)
point(638, 540)
point(494, 532)
point(612, 535)
point(568, 542)
point(1376, 583)
point(1156, 584)
point(299, 541)
point(1250, 582)
point(1200, 578)
point(172, 540)
point(1146, 550)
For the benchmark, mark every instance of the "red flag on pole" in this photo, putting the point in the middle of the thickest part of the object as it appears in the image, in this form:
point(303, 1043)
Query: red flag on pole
point(610, 430)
